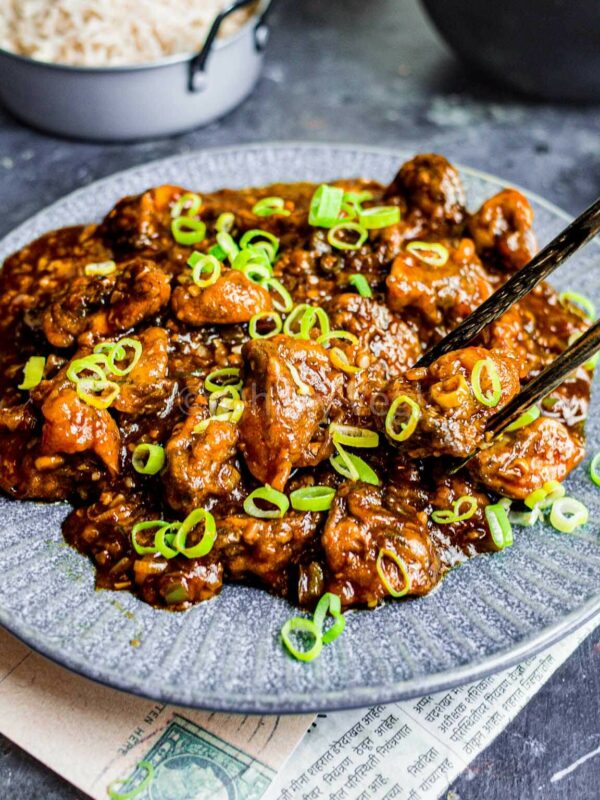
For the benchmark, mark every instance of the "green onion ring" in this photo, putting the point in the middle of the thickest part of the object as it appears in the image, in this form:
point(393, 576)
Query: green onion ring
point(209, 536)
point(146, 526)
point(225, 222)
point(581, 301)
point(567, 514)
point(269, 206)
point(499, 525)
point(162, 543)
point(270, 495)
point(100, 268)
point(325, 206)
point(231, 376)
point(379, 217)
point(188, 231)
point(353, 436)
point(406, 428)
point(286, 304)
point(491, 399)
point(201, 262)
point(258, 233)
point(385, 553)
point(447, 517)
point(115, 794)
point(189, 202)
point(148, 459)
point(545, 495)
point(228, 245)
point(95, 363)
point(526, 418)
point(217, 251)
point(353, 467)
point(273, 316)
point(117, 352)
point(432, 253)
point(356, 199)
point(302, 625)
point(329, 603)
point(223, 398)
point(361, 284)
point(341, 244)
point(295, 316)
point(33, 372)
point(340, 360)
point(594, 469)
point(524, 518)
point(86, 389)
point(312, 316)
point(312, 498)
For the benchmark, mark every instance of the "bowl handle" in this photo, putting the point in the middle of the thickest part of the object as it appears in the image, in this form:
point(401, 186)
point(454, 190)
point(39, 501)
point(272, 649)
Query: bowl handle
point(197, 77)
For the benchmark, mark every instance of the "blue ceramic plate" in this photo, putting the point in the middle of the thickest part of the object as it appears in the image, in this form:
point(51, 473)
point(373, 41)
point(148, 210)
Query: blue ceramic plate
point(225, 654)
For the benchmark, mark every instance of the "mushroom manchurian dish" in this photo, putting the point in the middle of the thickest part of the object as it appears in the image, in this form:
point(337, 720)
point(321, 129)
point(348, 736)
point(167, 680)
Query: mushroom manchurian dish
point(223, 385)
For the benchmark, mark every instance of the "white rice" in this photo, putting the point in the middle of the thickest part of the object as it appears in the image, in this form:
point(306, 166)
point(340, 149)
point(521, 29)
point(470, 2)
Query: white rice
point(109, 32)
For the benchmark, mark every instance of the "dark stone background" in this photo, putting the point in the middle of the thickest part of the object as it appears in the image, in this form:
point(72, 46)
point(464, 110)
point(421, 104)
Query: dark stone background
point(375, 73)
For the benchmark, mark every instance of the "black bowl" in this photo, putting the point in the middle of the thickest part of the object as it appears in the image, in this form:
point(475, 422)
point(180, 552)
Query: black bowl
point(548, 48)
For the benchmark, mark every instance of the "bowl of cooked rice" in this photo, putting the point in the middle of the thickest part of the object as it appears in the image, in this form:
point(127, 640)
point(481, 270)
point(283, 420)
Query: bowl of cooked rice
point(128, 69)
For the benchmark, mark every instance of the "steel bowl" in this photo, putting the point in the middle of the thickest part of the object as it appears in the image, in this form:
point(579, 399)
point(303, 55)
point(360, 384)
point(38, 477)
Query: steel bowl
point(142, 101)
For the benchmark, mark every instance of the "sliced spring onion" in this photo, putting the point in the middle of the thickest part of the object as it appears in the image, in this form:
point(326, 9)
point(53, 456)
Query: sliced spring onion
point(312, 498)
point(594, 469)
point(230, 377)
point(582, 302)
point(339, 334)
point(340, 360)
point(232, 414)
point(140, 527)
point(254, 264)
point(272, 316)
point(94, 363)
point(189, 202)
point(361, 284)
point(302, 625)
point(148, 459)
point(269, 206)
point(209, 535)
point(353, 467)
point(269, 495)
point(406, 428)
point(283, 301)
point(545, 495)
point(526, 418)
point(356, 199)
point(303, 388)
point(432, 253)
point(499, 525)
point(347, 227)
point(225, 221)
point(491, 398)
point(314, 316)
point(567, 514)
point(264, 237)
point(294, 319)
point(92, 392)
point(449, 516)
point(227, 245)
point(329, 603)
point(201, 263)
point(352, 436)
point(116, 788)
point(325, 206)
point(379, 217)
point(164, 539)
point(117, 351)
point(223, 399)
point(188, 231)
point(385, 553)
point(33, 372)
point(524, 518)
point(100, 268)
point(217, 251)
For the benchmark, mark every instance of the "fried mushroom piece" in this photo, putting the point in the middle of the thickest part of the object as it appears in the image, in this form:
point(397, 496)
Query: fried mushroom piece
point(432, 189)
point(289, 387)
point(502, 230)
point(266, 550)
point(201, 467)
point(452, 420)
point(386, 340)
point(72, 426)
point(357, 528)
point(443, 296)
point(519, 462)
point(232, 299)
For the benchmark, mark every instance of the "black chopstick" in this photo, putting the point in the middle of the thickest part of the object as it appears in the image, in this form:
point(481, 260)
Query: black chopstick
point(574, 236)
point(543, 384)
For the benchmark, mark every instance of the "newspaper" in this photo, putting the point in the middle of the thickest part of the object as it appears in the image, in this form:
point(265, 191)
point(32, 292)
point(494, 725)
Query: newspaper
point(98, 738)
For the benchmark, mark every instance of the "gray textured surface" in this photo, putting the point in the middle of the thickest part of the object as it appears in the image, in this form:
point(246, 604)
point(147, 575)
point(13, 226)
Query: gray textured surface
point(393, 85)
